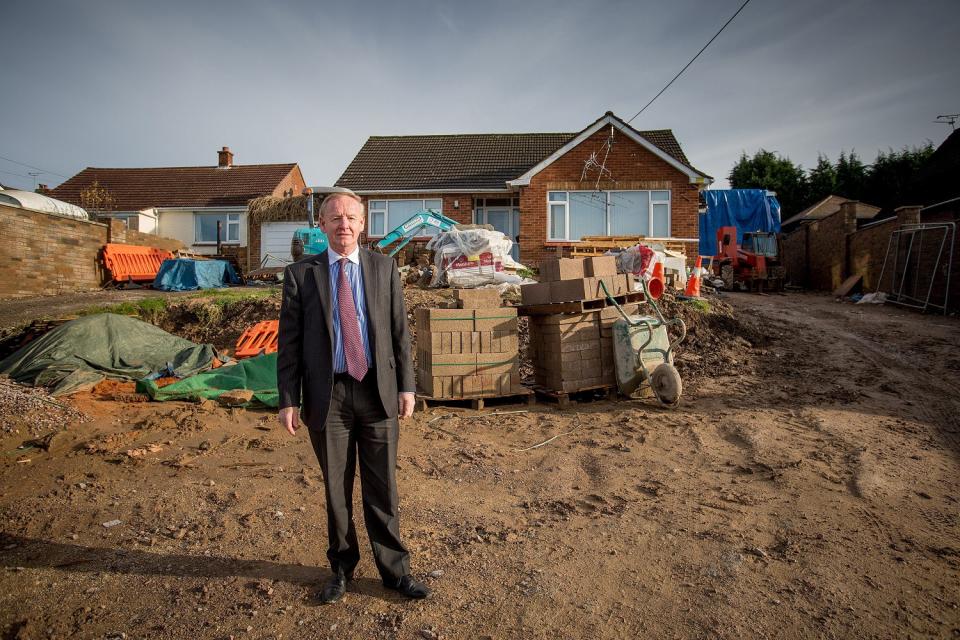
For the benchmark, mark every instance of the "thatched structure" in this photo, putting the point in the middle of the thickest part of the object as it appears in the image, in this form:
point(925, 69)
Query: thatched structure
point(273, 209)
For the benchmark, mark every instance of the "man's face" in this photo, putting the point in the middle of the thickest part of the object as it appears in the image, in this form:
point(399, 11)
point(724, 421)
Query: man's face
point(342, 221)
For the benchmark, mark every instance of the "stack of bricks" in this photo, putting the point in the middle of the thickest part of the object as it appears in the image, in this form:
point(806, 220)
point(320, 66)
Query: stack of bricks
point(574, 351)
point(468, 352)
point(573, 279)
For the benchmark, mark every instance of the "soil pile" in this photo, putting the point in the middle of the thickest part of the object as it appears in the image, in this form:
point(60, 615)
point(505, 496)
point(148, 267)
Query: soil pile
point(203, 320)
point(717, 340)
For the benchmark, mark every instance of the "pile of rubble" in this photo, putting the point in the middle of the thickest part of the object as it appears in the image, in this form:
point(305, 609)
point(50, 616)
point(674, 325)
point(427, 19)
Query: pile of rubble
point(31, 409)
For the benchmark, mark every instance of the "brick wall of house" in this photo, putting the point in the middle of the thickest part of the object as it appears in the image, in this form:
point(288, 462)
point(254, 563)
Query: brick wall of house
point(47, 254)
point(293, 184)
point(631, 165)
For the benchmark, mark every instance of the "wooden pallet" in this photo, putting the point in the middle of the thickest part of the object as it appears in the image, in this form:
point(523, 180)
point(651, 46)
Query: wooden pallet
point(589, 246)
point(477, 402)
point(578, 306)
point(563, 398)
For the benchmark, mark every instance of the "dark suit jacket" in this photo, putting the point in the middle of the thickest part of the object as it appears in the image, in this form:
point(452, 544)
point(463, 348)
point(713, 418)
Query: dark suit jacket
point(305, 351)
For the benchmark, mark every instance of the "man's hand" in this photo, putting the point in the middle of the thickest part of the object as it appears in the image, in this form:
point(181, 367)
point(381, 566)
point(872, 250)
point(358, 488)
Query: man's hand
point(406, 400)
point(289, 419)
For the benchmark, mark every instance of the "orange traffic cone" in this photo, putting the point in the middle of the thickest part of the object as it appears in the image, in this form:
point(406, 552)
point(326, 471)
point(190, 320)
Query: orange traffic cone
point(655, 286)
point(693, 284)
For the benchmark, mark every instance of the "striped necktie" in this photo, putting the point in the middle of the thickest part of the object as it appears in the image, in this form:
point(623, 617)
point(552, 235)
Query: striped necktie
point(350, 327)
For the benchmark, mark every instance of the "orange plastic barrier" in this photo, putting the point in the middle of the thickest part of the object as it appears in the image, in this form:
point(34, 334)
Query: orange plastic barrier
point(132, 262)
point(260, 338)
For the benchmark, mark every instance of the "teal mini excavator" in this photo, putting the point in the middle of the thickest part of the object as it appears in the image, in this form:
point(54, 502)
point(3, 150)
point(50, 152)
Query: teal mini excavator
point(311, 240)
point(413, 228)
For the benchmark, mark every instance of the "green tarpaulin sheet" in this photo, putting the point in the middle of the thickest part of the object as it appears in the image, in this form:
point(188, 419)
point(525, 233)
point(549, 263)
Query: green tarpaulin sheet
point(257, 374)
point(85, 351)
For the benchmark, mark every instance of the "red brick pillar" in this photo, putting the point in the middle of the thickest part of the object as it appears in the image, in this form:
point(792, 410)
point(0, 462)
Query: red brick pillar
point(908, 214)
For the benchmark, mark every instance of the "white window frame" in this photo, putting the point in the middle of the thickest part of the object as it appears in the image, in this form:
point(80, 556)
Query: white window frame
point(226, 231)
point(565, 203)
point(385, 210)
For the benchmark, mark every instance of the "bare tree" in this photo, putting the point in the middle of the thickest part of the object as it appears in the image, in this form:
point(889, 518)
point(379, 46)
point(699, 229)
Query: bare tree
point(96, 200)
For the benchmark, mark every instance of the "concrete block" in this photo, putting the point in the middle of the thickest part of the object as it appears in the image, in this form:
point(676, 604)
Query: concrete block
point(561, 269)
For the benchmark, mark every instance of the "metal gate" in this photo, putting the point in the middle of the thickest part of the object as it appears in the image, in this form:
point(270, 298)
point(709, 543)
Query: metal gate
point(919, 276)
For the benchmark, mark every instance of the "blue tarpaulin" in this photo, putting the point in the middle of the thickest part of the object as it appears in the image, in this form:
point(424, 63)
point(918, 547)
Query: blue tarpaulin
point(746, 209)
point(184, 274)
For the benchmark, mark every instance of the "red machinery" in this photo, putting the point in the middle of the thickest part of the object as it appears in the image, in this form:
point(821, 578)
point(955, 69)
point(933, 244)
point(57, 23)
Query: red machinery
point(754, 265)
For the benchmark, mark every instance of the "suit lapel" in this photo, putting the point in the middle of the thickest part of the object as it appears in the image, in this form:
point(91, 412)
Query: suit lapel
point(321, 274)
point(370, 286)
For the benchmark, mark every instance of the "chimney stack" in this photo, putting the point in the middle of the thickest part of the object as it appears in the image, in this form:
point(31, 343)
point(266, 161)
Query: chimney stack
point(225, 158)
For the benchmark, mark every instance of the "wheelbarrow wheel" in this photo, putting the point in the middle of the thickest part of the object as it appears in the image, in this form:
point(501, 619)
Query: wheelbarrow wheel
point(667, 385)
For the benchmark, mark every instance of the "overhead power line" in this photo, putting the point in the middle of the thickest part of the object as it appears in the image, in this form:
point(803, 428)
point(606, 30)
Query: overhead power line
point(30, 166)
point(746, 2)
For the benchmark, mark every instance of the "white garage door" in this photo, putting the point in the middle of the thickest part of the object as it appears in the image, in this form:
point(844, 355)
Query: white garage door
point(275, 242)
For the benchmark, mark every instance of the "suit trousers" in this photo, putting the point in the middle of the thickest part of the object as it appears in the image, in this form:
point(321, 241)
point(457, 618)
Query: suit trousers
point(357, 428)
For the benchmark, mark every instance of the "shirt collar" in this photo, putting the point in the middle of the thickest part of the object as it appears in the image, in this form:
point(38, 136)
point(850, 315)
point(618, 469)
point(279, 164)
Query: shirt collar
point(354, 256)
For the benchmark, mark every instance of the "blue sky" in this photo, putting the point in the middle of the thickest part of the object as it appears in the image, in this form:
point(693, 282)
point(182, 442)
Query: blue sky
point(117, 84)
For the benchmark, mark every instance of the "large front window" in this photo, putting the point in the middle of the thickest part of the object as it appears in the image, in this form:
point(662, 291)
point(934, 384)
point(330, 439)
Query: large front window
point(206, 227)
point(572, 215)
point(386, 215)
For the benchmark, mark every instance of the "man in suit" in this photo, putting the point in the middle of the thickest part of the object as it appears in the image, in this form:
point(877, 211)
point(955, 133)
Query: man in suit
point(344, 363)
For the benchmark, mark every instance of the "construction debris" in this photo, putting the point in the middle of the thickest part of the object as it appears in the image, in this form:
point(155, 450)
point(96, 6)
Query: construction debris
point(32, 410)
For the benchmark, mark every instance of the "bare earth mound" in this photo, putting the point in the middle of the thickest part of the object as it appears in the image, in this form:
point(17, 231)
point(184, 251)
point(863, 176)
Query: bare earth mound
point(807, 486)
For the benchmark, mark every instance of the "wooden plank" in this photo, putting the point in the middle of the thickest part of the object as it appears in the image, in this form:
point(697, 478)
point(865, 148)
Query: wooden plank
point(580, 306)
point(847, 286)
point(563, 398)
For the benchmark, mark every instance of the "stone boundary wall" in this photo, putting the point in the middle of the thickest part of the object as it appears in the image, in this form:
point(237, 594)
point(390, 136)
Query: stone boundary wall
point(43, 254)
point(824, 253)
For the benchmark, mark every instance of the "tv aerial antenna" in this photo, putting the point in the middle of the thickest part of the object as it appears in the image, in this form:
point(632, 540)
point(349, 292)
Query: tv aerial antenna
point(593, 163)
point(950, 119)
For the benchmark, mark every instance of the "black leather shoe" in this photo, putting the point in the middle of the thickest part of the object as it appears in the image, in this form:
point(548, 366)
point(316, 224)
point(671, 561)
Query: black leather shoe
point(333, 590)
point(410, 588)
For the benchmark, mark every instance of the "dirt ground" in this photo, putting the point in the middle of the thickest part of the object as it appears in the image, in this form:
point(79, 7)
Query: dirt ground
point(807, 486)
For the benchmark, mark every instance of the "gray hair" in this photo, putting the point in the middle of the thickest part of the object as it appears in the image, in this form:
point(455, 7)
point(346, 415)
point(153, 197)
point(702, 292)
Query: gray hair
point(349, 195)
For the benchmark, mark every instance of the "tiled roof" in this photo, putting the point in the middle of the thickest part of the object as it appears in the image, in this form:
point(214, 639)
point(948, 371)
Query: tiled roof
point(468, 161)
point(135, 189)
point(829, 206)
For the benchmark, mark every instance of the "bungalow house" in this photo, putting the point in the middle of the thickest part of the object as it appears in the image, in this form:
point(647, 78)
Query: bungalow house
point(827, 207)
point(544, 190)
point(186, 203)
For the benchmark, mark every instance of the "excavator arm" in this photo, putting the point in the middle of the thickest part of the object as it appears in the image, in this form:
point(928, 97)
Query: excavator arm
point(413, 227)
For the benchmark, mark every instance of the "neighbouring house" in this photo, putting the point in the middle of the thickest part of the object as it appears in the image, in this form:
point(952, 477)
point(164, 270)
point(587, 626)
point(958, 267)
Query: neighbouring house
point(186, 203)
point(827, 207)
point(544, 190)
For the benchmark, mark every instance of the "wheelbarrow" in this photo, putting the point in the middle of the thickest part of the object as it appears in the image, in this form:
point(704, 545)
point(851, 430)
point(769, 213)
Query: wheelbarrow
point(643, 353)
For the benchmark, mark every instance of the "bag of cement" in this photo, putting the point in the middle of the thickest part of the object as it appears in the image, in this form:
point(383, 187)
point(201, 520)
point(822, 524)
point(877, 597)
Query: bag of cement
point(469, 258)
